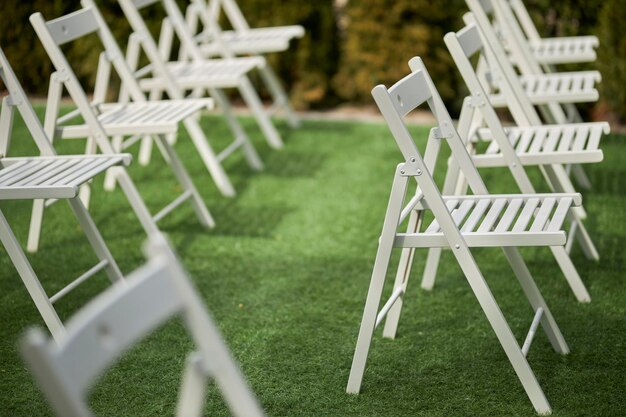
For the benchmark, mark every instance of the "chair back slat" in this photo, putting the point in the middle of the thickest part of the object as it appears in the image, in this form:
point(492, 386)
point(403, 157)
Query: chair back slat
point(409, 93)
point(470, 40)
point(140, 4)
point(105, 331)
point(72, 26)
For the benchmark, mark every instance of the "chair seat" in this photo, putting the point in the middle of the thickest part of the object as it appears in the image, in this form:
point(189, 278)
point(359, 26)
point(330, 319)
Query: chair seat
point(145, 118)
point(218, 73)
point(543, 145)
point(563, 87)
point(52, 176)
point(500, 220)
point(255, 41)
point(565, 50)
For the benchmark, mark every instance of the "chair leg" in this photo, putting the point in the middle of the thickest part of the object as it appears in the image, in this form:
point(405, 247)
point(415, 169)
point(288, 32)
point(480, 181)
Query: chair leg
point(202, 212)
point(571, 274)
point(279, 95)
point(251, 155)
point(36, 223)
point(193, 390)
point(109, 177)
point(253, 101)
point(581, 177)
point(209, 157)
point(402, 279)
point(536, 300)
point(430, 269)
point(501, 328)
point(385, 246)
point(26, 272)
point(137, 203)
point(95, 239)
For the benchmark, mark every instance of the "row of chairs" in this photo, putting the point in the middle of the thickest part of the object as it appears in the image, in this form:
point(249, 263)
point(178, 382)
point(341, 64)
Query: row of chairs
point(210, 60)
point(504, 64)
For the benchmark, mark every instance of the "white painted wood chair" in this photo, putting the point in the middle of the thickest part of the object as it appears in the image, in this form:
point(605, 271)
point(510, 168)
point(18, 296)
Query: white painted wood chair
point(101, 121)
point(511, 92)
point(123, 316)
point(197, 74)
point(460, 223)
point(203, 22)
point(49, 176)
point(548, 147)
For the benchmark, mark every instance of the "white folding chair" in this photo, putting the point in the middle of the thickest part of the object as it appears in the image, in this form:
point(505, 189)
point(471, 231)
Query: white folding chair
point(242, 40)
point(550, 51)
point(121, 317)
point(102, 120)
point(49, 176)
point(196, 74)
point(522, 110)
point(460, 222)
point(516, 148)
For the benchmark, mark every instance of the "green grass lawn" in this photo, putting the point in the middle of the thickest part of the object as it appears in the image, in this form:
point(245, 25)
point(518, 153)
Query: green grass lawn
point(285, 274)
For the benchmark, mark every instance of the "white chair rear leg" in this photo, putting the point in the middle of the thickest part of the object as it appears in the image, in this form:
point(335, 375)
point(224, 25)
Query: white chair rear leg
point(109, 177)
point(36, 223)
point(279, 95)
point(182, 175)
point(581, 177)
point(137, 203)
point(536, 300)
point(503, 331)
point(385, 246)
point(209, 158)
point(571, 274)
point(95, 239)
point(239, 134)
point(84, 193)
point(145, 151)
point(253, 101)
point(25, 271)
point(193, 390)
point(402, 280)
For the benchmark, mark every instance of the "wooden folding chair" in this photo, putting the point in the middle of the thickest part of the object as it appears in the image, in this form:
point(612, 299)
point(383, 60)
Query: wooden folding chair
point(521, 107)
point(102, 120)
point(460, 222)
point(515, 148)
point(196, 74)
point(121, 317)
point(242, 40)
point(49, 176)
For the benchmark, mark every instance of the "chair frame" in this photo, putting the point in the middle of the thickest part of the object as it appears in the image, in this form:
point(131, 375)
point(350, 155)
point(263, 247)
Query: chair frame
point(394, 103)
point(122, 316)
point(69, 28)
point(158, 53)
point(67, 189)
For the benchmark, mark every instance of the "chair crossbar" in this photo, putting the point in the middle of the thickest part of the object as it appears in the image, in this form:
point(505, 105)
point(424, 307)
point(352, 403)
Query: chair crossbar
point(84, 277)
point(531, 332)
point(397, 293)
point(170, 207)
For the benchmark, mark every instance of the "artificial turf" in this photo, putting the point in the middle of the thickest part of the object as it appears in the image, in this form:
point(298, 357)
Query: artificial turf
point(285, 274)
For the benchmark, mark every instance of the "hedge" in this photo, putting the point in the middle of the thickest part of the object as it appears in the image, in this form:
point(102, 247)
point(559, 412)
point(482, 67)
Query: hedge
point(350, 45)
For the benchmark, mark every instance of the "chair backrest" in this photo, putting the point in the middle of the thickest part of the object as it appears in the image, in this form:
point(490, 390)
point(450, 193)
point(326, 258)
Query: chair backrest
point(231, 10)
point(463, 45)
point(124, 315)
point(70, 28)
point(524, 19)
point(405, 96)
point(17, 98)
point(521, 108)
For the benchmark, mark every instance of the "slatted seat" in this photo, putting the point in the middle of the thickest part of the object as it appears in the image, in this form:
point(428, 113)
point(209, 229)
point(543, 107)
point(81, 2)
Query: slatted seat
point(150, 118)
point(220, 73)
point(542, 145)
point(499, 220)
point(52, 177)
point(564, 50)
point(257, 40)
point(563, 87)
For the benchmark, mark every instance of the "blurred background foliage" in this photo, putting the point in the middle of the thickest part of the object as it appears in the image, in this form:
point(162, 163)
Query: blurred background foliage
point(350, 45)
